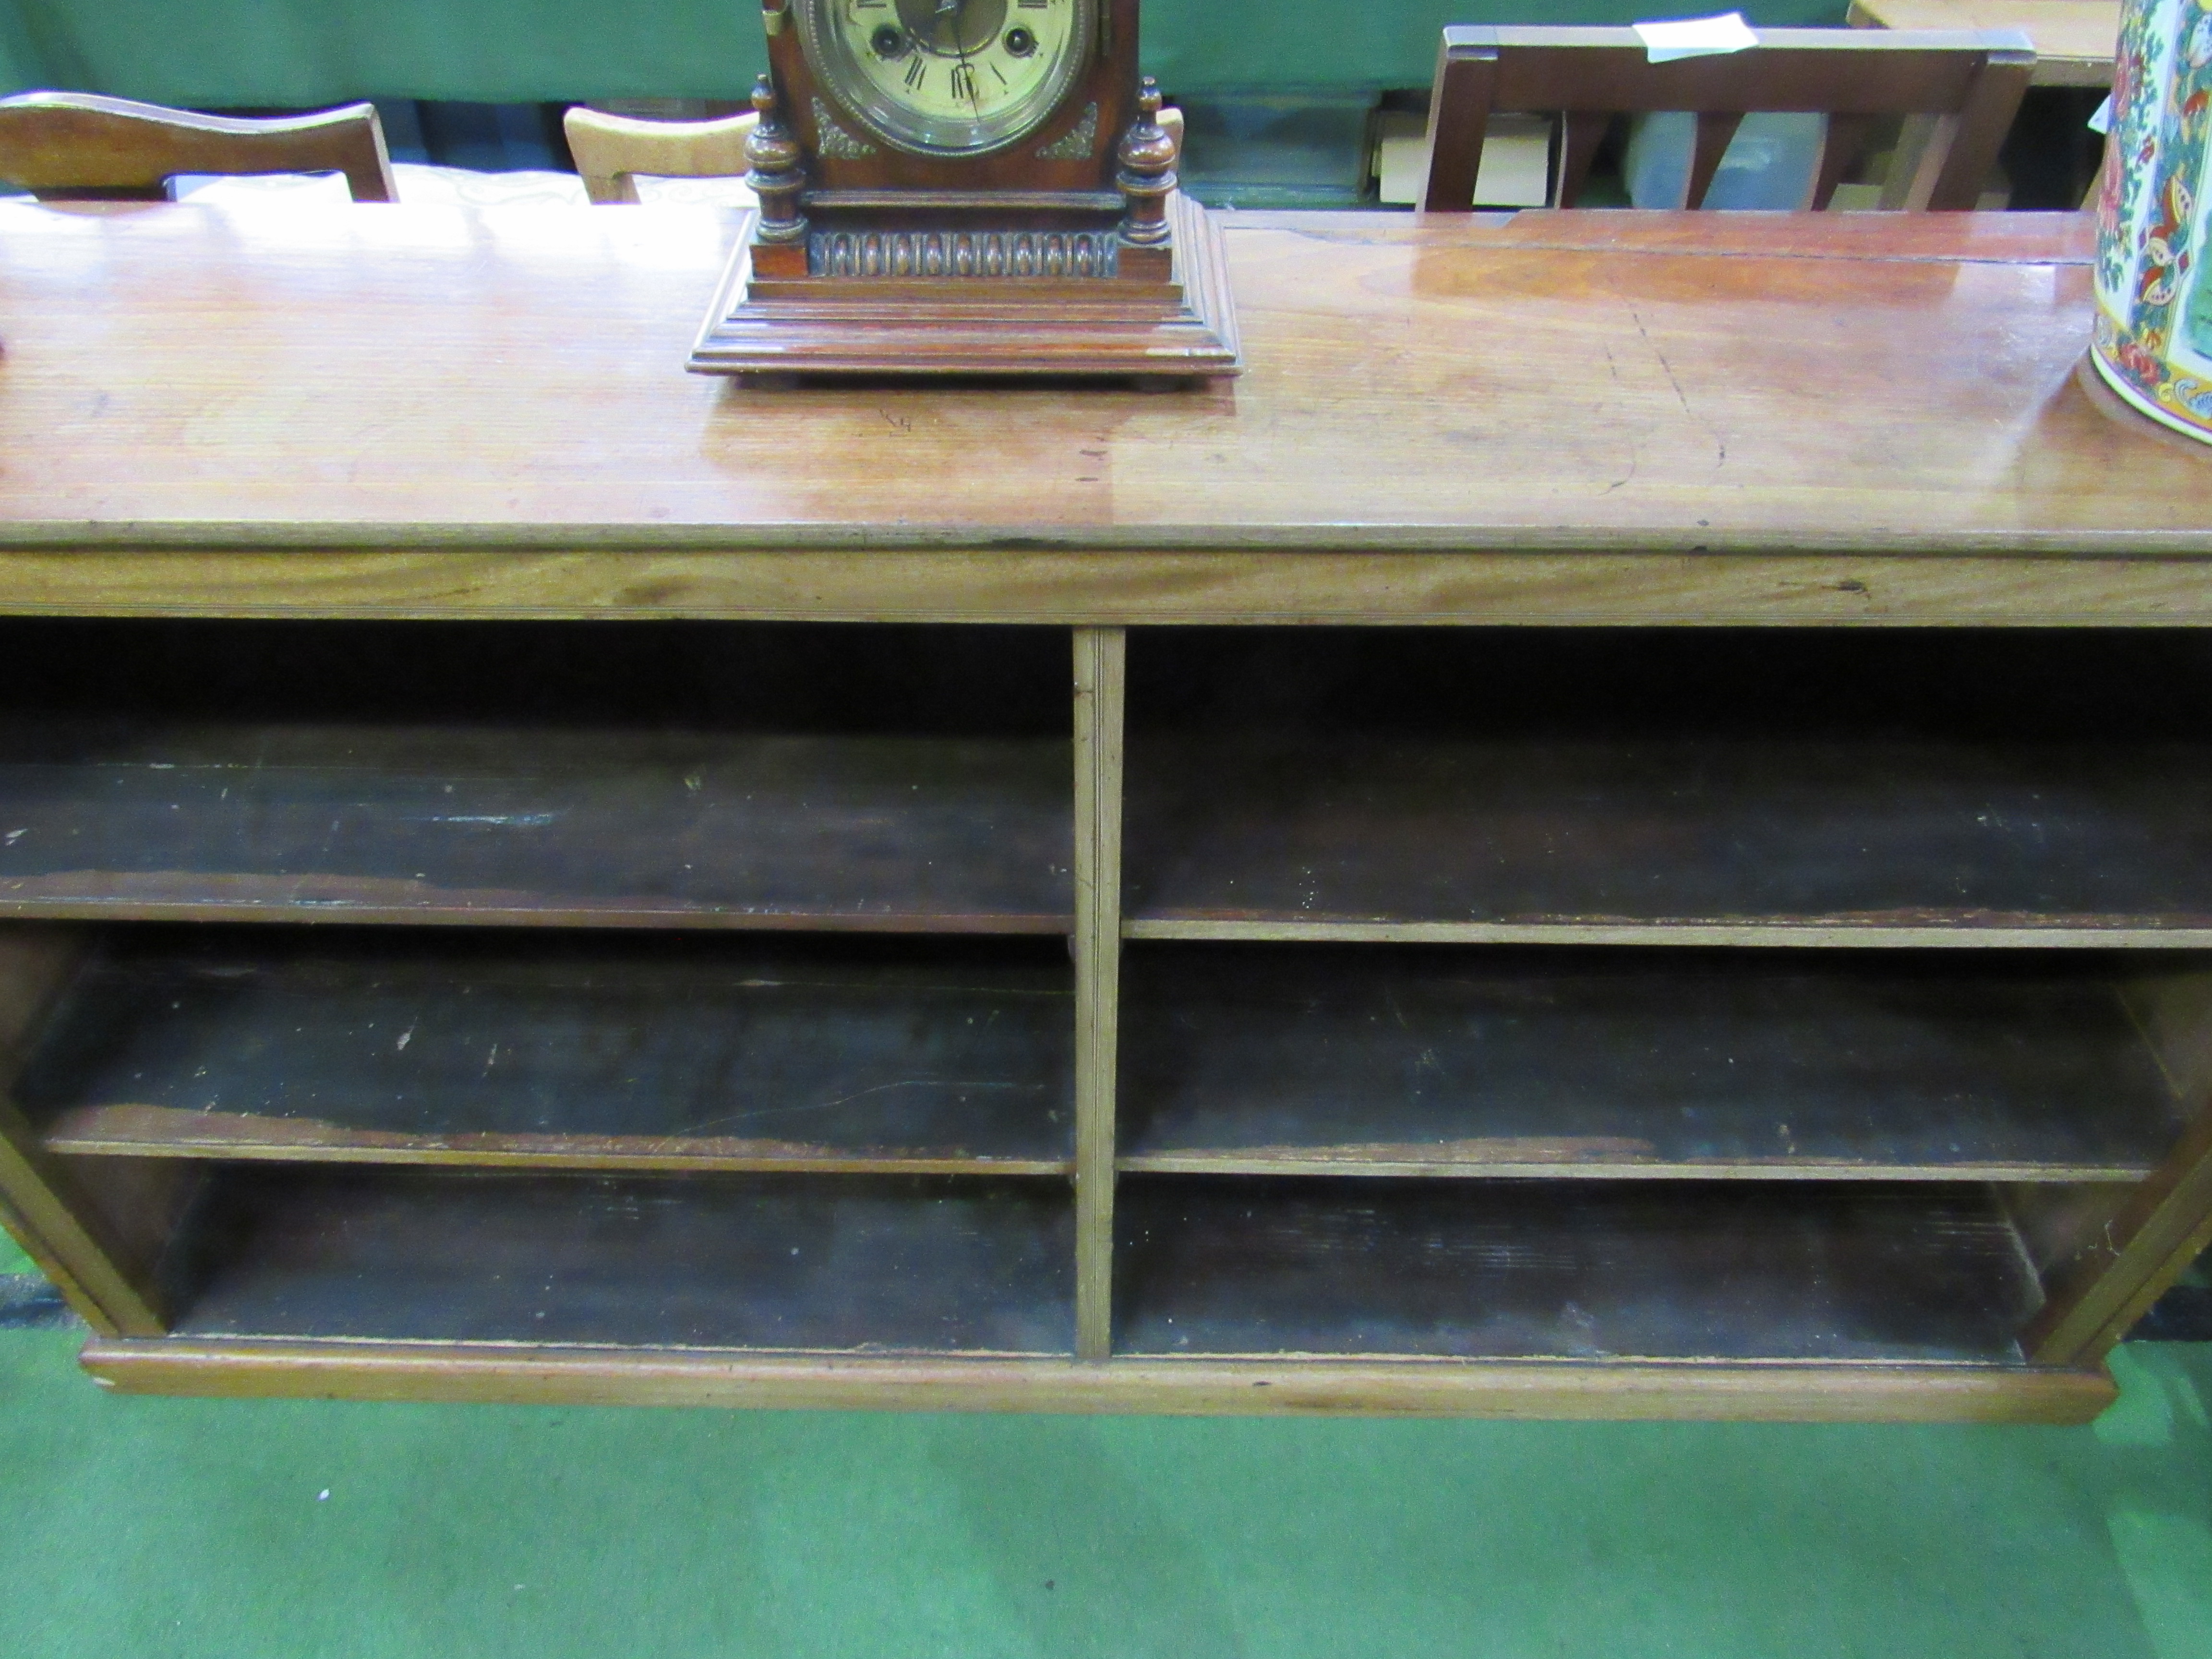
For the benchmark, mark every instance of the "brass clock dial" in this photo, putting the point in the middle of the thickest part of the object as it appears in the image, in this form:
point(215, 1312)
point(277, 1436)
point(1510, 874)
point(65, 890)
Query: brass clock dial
point(948, 78)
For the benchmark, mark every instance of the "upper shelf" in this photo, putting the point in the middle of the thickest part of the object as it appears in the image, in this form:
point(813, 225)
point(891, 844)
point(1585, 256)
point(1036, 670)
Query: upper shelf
point(1881, 841)
point(606, 828)
point(1708, 785)
point(688, 775)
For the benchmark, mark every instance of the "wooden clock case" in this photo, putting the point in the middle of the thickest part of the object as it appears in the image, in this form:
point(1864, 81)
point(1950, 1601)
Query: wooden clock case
point(1066, 251)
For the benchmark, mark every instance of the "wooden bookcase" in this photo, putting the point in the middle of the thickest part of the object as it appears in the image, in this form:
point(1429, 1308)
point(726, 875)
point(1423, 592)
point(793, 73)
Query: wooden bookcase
point(1692, 1022)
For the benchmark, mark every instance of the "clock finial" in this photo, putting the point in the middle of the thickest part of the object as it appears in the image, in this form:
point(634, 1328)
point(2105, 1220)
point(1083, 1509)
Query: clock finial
point(1147, 176)
point(777, 176)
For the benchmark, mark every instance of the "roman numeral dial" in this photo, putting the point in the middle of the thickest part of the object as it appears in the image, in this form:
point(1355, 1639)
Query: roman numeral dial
point(948, 77)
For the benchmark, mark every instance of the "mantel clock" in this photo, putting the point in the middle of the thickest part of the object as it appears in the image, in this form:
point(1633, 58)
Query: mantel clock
point(966, 186)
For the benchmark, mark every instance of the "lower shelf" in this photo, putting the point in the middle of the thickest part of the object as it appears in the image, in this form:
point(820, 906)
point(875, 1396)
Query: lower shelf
point(1514, 1388)
point(1486, 1269)
point(849, 1263)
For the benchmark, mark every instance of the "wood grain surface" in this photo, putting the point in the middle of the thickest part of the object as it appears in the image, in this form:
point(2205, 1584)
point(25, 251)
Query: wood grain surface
point(1700, 1389)
point(561, 1051)
point(401, 378)
point(1100, 685)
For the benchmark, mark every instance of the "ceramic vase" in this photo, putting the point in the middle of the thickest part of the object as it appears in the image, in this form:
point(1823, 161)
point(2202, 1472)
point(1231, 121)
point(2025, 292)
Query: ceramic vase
point(2153, 327)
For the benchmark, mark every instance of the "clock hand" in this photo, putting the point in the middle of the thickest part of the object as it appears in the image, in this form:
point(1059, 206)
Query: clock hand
point(960, 46)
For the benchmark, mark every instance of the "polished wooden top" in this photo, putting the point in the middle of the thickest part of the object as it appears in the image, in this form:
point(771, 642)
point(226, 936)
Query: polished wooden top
point(418, 380)
point(2076, 40)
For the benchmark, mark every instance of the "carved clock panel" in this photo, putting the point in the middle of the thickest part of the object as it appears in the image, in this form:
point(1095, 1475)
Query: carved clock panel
point(1028, 96)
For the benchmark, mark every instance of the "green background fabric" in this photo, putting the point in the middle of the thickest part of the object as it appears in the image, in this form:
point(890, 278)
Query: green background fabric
point(288, 52)
point(212, 1529)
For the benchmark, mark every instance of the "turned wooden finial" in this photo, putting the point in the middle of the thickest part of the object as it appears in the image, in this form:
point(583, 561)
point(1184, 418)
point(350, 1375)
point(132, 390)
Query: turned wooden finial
point(776, 177)
point(1147, 175)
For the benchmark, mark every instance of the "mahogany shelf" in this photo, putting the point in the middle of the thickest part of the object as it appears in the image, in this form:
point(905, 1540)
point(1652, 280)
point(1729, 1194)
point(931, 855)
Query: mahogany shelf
point(561, 827)
point(1682, 786)
point(772, 1262)
point(553, 775)
point(1723, 840)
point(577, 1051)
point(1352, 1061)
point(1732, 1270)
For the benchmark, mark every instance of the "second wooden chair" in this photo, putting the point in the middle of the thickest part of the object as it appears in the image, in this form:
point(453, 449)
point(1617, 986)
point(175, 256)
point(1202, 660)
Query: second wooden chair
point(1970, 80)
point(614, 151)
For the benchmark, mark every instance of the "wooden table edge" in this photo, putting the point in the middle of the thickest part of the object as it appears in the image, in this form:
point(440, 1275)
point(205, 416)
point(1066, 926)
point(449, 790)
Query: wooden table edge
point(1107, 587)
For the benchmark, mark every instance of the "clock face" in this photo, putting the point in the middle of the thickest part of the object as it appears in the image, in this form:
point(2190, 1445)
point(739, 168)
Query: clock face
point(948, 78)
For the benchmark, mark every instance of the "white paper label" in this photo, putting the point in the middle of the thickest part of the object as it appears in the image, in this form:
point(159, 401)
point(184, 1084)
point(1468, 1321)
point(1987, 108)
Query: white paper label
point(1695, 37)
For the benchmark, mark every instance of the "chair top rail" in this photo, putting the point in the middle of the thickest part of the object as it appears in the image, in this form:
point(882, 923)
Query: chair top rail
point(60, 143)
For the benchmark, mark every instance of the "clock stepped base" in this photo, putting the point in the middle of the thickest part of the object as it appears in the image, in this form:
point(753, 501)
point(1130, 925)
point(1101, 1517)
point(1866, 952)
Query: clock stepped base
point(1181, 329)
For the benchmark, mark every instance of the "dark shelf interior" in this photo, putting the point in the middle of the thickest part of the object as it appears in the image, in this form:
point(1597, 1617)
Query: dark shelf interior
point(1585, 1270)
point(842, 1263)
point(391, 1044)
point(1550, 779)
point(603, 775)
point(1933, 1064)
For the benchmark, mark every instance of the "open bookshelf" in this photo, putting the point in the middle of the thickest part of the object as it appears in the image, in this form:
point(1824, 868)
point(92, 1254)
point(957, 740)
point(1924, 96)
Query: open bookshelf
point(1567, 1023)
point(1611, 1063)
point(917, 1264)
point(562, 1051)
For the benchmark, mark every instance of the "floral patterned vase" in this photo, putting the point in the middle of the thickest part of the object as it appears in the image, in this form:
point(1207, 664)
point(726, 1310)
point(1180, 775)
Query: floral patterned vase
point(2154, 339)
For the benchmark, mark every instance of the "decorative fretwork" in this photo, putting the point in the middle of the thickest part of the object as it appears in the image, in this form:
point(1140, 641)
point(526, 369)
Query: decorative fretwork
point(979, 253)
point(1077, 143)
point(832, 140)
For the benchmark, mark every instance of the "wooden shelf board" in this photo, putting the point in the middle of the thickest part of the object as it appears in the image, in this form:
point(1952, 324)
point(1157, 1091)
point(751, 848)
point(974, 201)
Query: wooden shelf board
point(1430, 1388)
point(1938, 936)
point(1481, 1161)
point(1814, 841)
point(788, 1263)
point(557, 825)
point(1728, 1271)
point(592, 1051)
point(1253, 1059)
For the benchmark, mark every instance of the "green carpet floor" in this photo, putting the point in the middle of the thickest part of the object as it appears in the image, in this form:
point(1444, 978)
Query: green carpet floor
point(163, 1528)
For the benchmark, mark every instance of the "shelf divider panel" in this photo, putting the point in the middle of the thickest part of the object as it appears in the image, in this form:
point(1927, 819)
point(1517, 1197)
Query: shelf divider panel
point(1101, 666)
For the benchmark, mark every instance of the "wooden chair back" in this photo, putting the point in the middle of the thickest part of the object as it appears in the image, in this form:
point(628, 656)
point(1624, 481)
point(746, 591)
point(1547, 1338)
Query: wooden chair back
point(612, 151)
point(69, 146)
point(1971, 80)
